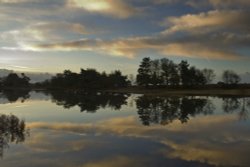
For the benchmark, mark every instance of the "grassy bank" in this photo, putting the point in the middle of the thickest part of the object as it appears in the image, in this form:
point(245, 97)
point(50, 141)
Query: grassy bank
point(181, 92)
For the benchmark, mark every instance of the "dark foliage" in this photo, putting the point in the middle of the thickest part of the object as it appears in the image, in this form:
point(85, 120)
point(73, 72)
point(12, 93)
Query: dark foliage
point(166, 72)
point(230, 77)
point(89, 101)
point(12, 130)
point(161, 110)
point(88, 79)
point(15, 81)
point(14, 95)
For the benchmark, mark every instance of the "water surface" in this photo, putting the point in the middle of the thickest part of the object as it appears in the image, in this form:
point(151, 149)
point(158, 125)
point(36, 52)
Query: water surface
point(96, 129)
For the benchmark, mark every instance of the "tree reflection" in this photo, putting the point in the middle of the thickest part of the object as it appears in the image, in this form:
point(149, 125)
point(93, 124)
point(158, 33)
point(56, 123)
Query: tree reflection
point(164, 110)
point(14, 95)
point(237, 104)
point(230, 104)
point(12, 130)
point(89, 101)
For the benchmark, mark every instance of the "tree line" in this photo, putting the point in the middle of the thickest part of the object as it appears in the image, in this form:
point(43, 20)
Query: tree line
point(88, 79)
point(157, 72)
point(165, 72)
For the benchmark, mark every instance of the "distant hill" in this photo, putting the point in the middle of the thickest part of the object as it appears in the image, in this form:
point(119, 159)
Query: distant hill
point(34, 77)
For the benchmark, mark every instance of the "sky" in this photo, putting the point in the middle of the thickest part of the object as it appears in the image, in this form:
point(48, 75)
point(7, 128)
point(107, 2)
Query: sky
point(53, 35)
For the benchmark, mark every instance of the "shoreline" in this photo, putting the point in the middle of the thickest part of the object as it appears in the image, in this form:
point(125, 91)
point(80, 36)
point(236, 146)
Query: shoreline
point(157, 91)
point(183, 92)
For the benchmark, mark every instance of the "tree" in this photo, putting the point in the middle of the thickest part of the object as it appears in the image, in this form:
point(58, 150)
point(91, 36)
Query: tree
point(13, 80)
point(155, 73)
point(170, 72)
point(196, 77)
point(118, 80)
point(230, 77)
point(88, 79)
point(209, 75)
point(143, 76)
point(184, 73)
point(174, 79)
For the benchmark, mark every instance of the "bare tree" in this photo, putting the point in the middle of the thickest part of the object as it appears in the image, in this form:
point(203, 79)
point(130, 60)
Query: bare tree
point(209, 75)
point(230, 77)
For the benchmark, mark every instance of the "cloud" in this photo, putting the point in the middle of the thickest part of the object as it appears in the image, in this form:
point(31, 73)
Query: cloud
point(114, 8)
point(113, 47)
point(197, 50)
point(231, 3)
point(206, 152)
point(15, 1)
point(27, 35)
point(62, 26)
point(130, 47)
point(43, 32)
point(218, 4)
point(209, 21)
point(121, 161)
point(199, 139)
point(217, 34)
point(165, 1)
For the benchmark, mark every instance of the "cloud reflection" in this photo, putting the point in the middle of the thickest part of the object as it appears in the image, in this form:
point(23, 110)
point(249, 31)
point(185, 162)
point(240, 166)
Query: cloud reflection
point(196, 141)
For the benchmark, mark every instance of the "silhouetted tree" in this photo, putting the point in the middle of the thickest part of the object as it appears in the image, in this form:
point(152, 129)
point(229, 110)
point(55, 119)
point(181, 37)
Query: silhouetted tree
point(191, 76)
point(169, 72)
point(174, 79)
point(196, 77)
point(13, 80)
point(166, 72)
point(144, 71)
point(209, 75)
point(184, 73)
point(88, 79)
point(118, 80)
point(155, 73)
point(230, 77)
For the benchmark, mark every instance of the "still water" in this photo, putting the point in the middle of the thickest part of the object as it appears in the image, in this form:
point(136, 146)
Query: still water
point(94, 129)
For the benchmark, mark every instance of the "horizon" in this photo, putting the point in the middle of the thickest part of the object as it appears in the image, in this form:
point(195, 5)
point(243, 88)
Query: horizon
point(51, 36)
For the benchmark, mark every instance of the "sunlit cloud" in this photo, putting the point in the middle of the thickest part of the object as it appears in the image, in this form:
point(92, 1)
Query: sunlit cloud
point(131, 47)
point(218, 30)
point(206, 152)
point(200, 141)
point(97, 45)
point(114, 8)
point(210, 21)
point(43, 31)
point(197, 50)
point(130, 126)
point(200, 41)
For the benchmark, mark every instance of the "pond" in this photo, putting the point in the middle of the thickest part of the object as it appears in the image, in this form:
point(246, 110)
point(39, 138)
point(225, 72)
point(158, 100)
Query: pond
point(100, 129)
